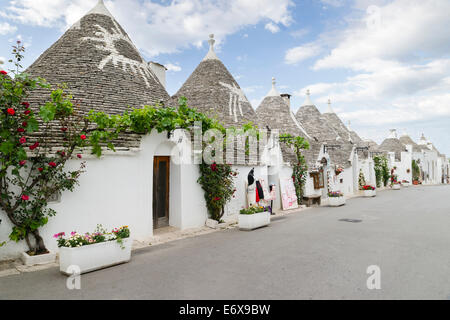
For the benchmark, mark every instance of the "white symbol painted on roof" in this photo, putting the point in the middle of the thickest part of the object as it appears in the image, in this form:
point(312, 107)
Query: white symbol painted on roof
point(109, 39)
point(236, 97)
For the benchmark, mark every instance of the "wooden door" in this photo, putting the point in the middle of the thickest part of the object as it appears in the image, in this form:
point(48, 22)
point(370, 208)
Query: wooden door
point(161, 178)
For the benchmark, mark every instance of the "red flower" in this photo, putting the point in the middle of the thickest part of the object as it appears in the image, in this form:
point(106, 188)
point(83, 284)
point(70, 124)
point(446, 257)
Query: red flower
point(21, 130)
point(24, 124)
point(83, 137)
point(27, 112)
point(217, 198)
point(25, 197)
point(26, 104)
point(52, 164)
point(63, 129)
point(11, 111)
point(41, 169)
point(79, 156)
point(22, 163)
point(34, 146)
point(3, 72)
point(214, 167)
point(23, 140)
point(62, 153)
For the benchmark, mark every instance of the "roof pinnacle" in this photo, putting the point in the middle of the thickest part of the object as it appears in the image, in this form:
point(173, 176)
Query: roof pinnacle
point(273, 92)
point(211, 55)
point(330, 109)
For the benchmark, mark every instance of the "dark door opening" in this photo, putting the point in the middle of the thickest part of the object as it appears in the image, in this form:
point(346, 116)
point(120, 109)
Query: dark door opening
point(161, 178)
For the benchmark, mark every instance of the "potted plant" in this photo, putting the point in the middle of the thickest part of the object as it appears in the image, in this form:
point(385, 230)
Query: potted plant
point(369, 191)
point(93, 251)
point(254, 217)
point(405, 183)
point(336, 199)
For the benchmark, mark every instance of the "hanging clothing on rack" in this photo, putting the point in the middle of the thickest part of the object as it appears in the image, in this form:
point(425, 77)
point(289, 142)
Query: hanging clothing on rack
point(259, 191)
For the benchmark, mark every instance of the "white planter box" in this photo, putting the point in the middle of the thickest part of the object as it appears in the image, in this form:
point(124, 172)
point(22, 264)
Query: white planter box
point(406, 184)
point(254, 221)
point(370, 193)
point(95, 256)
point(396, 187)
point(39, 259)
point(336, 201)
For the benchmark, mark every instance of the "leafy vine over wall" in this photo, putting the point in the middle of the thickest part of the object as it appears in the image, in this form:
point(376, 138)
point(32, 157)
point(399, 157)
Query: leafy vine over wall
point(300, 168)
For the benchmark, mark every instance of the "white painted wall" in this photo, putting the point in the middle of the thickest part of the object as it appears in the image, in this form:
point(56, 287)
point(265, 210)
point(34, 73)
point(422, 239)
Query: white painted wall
point(117, 190)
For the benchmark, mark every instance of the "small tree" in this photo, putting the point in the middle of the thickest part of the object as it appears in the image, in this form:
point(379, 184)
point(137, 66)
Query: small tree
point(362, 179)
point(381, 170)
point(32, 166)
point(415, 170)
point(300, 169)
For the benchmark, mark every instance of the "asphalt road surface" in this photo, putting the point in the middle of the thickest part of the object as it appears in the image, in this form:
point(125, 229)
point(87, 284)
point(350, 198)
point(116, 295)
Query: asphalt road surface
point(307, 255)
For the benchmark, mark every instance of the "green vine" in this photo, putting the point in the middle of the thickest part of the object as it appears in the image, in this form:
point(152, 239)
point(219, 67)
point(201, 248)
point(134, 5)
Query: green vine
point(382, 173)
point(300, 168)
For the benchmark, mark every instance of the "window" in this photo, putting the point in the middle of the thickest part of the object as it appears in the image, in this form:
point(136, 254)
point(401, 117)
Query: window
point(318, 178)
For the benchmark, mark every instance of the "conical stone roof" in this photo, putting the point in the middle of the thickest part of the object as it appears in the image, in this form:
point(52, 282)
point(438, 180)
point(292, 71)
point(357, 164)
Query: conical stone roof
point(274, 113)
point(103, 69)
point(211, 89)
point(318, 126)
point(392, 145)
point(405, 140)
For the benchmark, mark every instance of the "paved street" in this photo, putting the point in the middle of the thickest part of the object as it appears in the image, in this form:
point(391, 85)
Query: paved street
point(308, 255)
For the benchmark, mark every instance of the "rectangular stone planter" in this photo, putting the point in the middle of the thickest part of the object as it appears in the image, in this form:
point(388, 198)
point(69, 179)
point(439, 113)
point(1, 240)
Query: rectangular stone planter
point(254, 221)
point(336, 201)
point(94, 257)
point(39, 259)
point(370, 193)
point(396, 187)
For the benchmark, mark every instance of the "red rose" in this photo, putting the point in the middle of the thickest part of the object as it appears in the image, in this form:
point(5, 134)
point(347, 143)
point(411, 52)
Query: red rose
point(34, 146)
point(83, 137)
point(27, 112)
point(21, 130)
point(24, 124)
point(3, 72)
point(52, 164)
point(11, 111)
point(217, 198)
point(25, 197)
point(22, 163)
point(23, 140)
point(79, 156)
point(214, 167)
point(26, 104)
point(63, 129)
point(40, 169)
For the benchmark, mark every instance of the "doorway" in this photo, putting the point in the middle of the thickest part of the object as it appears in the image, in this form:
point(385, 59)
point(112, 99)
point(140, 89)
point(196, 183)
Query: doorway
point(161, 178)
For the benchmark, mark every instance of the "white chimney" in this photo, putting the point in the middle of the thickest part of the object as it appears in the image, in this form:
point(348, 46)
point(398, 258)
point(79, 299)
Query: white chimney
point(287, 98)
point(160, 72)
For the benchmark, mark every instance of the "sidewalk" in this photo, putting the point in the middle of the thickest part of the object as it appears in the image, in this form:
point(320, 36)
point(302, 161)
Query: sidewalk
point(160, 236)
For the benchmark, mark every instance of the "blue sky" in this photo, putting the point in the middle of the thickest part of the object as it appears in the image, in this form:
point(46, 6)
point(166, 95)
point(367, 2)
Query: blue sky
point(384, 64)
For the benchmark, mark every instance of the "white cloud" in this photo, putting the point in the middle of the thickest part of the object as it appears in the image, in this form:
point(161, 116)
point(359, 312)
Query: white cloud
point(272, 27)
point(403, 30)
point(300, 33)
point(298, 54)
point(172, 67)
point(6, 28)
point(165, 27)
point(397, 66)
